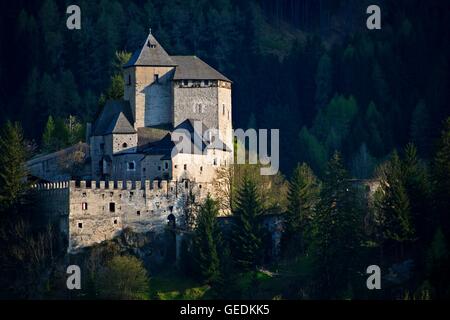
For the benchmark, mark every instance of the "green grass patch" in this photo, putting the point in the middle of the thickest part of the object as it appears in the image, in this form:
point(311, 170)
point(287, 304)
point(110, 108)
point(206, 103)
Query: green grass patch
point(174, 286)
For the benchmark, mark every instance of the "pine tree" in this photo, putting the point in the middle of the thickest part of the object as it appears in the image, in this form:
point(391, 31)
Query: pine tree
point(416, 182)
point(373, 120)
point(48, 137)
point(206, 241)
point(247, 233)
point(441, 179)
point(13, 171)
point(363, 163)
point(311, 150)
point(336, 232)
point(393, 204)
point(323, 81)
point(303, 196)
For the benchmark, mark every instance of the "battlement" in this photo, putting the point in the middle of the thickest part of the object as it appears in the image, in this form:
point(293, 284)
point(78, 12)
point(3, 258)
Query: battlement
point(50, 185)
point(163, 185)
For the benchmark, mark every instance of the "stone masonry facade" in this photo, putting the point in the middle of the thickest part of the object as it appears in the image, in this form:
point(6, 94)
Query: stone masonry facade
point(89, 212)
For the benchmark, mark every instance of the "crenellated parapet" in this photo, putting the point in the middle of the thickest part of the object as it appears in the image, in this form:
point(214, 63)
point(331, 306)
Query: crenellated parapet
point(50, 186)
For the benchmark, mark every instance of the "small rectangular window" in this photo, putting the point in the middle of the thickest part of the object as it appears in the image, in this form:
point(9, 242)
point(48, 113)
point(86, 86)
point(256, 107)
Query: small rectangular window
point(185, 82)
point(156, 78)
point(115, 221)
point(138, 213)
point(84, 206)
point(166, 165)
point(185, 167)
point(80, 225)
point(112, 207)
point(131, 166)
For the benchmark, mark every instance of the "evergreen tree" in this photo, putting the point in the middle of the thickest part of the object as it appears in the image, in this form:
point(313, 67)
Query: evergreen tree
point(393, 204)
point(336, 233)
point(324, 83)
point(441, 179)
point(374, 121)
point(362, 163)
point(207, 240)
point(311, 150)
point(247, 233)
point(303, 196)
point(48, 137)
point(416, 182)
point(13, 172)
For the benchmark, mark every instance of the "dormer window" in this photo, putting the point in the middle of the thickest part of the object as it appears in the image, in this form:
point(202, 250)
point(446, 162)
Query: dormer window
point(151, 45)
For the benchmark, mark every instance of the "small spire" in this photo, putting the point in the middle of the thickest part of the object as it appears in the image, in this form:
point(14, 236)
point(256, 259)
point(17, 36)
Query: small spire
point(150, 30)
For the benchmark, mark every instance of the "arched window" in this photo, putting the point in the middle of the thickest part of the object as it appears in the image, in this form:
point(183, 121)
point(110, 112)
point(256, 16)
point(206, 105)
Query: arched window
point(124, 145)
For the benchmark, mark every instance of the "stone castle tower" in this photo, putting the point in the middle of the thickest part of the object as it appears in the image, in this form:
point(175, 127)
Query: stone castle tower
point(165, 89)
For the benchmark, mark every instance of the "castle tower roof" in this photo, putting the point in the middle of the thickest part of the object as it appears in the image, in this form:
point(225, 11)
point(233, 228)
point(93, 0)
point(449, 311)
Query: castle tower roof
point(151, 54)
point(193, 68)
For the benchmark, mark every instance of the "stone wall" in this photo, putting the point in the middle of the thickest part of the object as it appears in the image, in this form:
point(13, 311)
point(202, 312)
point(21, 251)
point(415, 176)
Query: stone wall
point(55, 166)
point(122, 142)
point(195, 102)
point(92, 212)
point(225, 114)
point(151, 102)
point(124, 170)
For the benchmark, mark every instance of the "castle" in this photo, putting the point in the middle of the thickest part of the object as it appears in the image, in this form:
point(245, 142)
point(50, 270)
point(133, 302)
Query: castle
point(145, 153)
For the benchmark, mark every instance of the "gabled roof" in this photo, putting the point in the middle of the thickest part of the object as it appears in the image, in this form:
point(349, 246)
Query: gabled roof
point(190, 130)
point(193, 68)
point(151, 54)
point(120, 124)
point(115, 117)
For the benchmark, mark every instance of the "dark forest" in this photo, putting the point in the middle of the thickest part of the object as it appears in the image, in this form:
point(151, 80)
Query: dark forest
point(375, 102)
